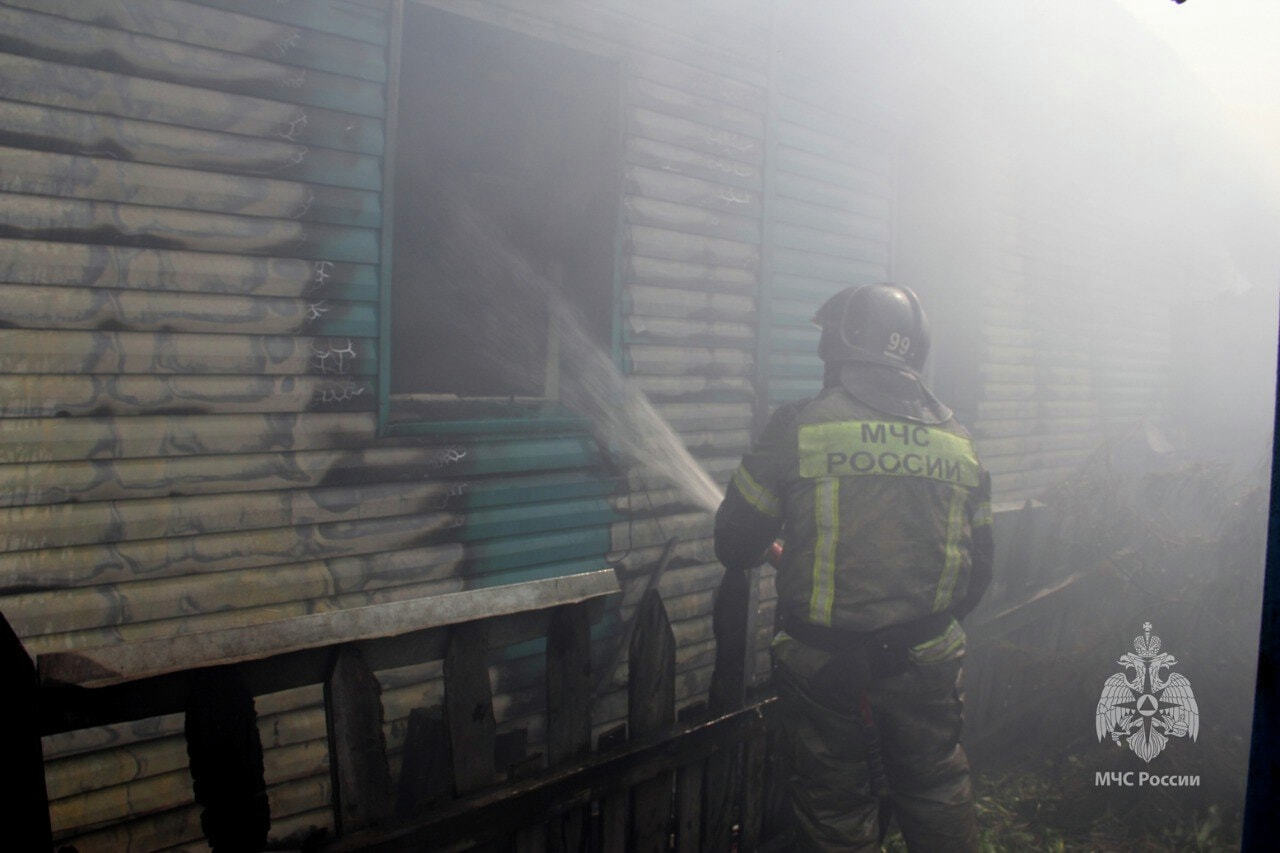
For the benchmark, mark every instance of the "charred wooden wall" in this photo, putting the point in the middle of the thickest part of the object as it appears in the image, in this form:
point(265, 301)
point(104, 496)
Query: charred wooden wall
point(191, 220)
point(190, 244)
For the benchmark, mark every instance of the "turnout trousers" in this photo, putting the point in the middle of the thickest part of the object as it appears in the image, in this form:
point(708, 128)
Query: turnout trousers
point(833, 792)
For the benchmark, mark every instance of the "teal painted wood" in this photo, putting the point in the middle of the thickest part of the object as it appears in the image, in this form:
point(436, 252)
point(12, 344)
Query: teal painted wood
point(529, 422)
point(523, 519)
point(339, 17)
point(528, 455)
point(493, 555)
point(41, 82)
point(70, 42)
point(845, 176)
point(795, 338)
point(796, 365)
point(839, 270)
point(810, 290)
point(220, 30)
point(48, 128)
point(544, 487)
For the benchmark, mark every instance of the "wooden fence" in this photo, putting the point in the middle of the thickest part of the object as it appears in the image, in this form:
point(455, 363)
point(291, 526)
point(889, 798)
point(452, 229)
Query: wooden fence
point(651, 783)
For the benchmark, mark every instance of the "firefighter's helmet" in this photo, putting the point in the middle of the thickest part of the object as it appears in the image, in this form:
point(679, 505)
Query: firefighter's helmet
point(877, 323)
point(875, 340)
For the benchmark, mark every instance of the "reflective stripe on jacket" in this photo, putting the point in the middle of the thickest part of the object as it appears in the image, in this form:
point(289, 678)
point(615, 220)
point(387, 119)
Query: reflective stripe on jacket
point(878, 514)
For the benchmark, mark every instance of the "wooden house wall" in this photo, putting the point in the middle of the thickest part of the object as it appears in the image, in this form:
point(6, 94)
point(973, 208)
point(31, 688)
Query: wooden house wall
point(190, 246)
point(190, 219)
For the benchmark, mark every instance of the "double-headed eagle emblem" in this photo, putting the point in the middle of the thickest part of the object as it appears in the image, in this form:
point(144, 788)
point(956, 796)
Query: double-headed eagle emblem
point(1144, 708)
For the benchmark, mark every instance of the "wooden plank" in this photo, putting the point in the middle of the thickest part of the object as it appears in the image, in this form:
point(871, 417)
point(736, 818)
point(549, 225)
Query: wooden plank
point(115, 665)
point(832, 220)
point(52, 439)
point(63, 525)
point(677, 246)
point(44, 395)
point(658, 154)
point(660, 272)
point(105, 179)
point(679, 361)
point(191, 597)
point(79, 220)
point(158, 558)
point(111, 352)
point(682, 304)
point(361, 782)
point(100, 480)
point(693, 388)
point(94, 480)
point(299, 671)
point(692, 220)
point(52, 84)
point(569, 693)
point(682, 189)
point(837, 270)
point(74, 43)
point(357, 20)
point(96, 135)
point(651, 707)
point(691, 333)
point(226, 31)
point(226, 760)
point(426, 776)
point(678, 102)
point(468, 703)
point(835, 245)
point(673, 73)
point(823, 192)
point(128, 268)
point(63, 308)
point(24, 812)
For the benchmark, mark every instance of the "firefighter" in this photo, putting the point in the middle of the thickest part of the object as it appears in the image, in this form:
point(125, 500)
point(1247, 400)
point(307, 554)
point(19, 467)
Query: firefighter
point(885, 516)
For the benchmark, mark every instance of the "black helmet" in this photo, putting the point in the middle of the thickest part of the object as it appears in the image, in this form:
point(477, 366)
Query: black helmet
point(875, 340)
point(877, 323)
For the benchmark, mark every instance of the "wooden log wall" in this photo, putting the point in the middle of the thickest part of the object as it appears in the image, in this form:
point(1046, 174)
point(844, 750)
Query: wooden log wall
point(190, 215)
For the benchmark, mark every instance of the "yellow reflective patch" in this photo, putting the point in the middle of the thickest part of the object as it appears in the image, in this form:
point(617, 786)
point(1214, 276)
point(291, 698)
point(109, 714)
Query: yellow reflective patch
point(826, 510)
point(888, 448)
point(982, 515)
point(954, 554)
point(756, 495)
point(941, 647)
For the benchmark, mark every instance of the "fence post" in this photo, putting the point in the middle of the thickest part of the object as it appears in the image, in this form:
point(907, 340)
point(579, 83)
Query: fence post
point(24, 810)
point(722, 783)
point(468, 703)
point(425, 777)
point(357, 747)
point(225, 753)
point(651, 705)
point(568, 708)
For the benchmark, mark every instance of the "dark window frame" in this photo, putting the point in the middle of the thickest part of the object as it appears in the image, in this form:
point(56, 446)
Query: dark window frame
point(486, 415)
